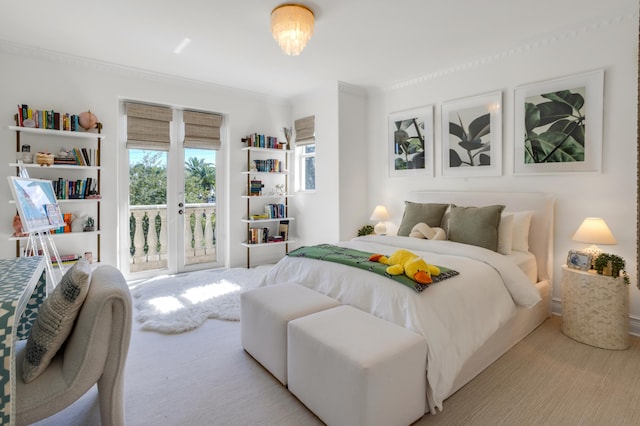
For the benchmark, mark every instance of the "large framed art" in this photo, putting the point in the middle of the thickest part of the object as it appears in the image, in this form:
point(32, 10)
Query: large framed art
point(472, 136)
point(411, 142)
point(558, 125)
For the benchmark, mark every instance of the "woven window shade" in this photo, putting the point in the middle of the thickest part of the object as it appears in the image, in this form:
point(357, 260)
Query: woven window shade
point(148, 127)
point(305, 130)
point(202, 130)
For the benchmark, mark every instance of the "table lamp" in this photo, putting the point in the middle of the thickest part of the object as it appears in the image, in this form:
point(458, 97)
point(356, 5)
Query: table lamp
point(380, 214)
point(594, 230)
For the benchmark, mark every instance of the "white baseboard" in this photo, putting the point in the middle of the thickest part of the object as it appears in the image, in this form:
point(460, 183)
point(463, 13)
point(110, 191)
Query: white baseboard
point(634, 322)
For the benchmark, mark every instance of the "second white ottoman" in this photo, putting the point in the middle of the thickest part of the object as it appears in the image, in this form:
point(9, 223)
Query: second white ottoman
point(351, 368)
point(264, 314)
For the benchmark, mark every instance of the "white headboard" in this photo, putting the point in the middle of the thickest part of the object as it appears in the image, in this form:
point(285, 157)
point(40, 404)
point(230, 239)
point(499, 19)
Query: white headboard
point(542, 206)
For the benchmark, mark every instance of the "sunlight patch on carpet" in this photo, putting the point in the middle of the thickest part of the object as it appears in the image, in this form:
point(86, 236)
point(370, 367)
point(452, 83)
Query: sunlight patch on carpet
point(174, 304)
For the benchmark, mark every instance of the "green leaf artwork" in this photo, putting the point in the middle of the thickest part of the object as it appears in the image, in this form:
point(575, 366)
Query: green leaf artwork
point(476, 151)
point(409, 144)
point(555, 127)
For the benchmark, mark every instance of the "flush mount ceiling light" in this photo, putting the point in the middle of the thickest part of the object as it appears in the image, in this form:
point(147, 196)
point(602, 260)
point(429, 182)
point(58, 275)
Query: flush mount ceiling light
point(292, 27)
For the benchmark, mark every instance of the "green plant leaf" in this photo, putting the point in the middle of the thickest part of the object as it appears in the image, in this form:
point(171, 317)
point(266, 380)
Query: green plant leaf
point(574, 100)
point(471, 145)
point(553, 111)
point(553, 147)
point(531, 117)
point(480, 126)
point(575, 130)
point(454, 159)
point(457, 130)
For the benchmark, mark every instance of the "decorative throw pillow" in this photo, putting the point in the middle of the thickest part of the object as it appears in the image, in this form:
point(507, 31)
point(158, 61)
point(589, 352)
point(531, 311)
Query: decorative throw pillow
point(505, 233)
point(476, 226)
point(429, 213)
point(424, 231)
point(55, 319)
point(521, 224)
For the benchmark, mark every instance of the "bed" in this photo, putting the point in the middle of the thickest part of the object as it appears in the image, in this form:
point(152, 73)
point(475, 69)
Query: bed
point(469, 320)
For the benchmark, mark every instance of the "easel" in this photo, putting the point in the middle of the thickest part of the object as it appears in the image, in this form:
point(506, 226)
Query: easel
point(40, 242)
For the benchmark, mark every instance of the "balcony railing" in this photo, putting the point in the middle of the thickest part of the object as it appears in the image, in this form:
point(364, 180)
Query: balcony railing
point(148, 236)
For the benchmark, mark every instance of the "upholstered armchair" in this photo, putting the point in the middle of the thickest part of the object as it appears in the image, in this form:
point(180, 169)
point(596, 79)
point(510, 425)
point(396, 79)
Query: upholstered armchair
point(94, 352)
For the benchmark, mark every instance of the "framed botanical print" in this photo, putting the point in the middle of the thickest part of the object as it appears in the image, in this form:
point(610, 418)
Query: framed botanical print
point(472, 136)
point(411, 142)
point(558, 125)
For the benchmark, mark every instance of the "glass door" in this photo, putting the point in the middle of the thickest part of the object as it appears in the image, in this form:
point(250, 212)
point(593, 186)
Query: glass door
point(172, 211)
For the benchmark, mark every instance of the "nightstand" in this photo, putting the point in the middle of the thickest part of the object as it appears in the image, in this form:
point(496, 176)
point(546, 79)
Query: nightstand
point(595, 309)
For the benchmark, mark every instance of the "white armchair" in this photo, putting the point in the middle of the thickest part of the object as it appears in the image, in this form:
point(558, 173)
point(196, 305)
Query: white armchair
point(94, 352)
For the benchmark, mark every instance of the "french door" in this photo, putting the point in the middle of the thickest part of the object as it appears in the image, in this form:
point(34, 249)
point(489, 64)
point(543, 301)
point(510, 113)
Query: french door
point(172, 209)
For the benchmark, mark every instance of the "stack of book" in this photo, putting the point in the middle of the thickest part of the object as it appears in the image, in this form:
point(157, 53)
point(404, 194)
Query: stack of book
point(256, 188)
point(66, 258)
point(258, 235)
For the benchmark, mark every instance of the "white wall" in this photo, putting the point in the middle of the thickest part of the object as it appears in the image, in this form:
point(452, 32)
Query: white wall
point(611, 44)
point(354, 188)
point(48, 81)
point(318, 212)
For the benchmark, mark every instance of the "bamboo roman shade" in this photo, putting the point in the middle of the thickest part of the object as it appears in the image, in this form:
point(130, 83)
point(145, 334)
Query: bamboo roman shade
point(148, 126)
point(305, 130)
point(201, 130)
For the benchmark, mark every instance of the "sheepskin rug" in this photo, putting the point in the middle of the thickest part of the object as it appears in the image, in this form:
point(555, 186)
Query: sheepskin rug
point(178, 303)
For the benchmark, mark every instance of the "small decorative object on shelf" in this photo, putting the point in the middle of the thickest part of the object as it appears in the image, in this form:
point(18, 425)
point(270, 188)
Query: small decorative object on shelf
point(87, 120)
point(44, 158)
point(611, 265)
point(288, 135)
point(89, 225)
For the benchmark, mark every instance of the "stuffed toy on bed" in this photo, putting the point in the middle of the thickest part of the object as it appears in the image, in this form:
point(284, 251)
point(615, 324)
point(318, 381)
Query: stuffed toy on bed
point(422, 230)
point(412, 265)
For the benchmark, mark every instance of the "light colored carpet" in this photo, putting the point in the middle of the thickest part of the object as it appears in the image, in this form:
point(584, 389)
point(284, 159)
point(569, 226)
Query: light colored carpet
point(174, 304)
point(203, 377)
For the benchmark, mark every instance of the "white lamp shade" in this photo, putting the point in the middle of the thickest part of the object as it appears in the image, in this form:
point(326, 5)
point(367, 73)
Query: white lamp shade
point(594, 230)
point(380, 213)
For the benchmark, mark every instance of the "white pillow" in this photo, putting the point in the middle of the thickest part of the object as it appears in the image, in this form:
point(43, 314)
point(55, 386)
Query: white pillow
point(521, 223)
point(505, 233)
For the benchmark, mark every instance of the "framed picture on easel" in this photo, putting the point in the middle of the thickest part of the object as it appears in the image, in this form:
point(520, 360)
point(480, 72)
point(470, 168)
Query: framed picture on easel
point(37, 204)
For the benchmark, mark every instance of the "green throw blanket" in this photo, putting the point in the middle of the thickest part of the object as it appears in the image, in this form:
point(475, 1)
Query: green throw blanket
point(360, 259)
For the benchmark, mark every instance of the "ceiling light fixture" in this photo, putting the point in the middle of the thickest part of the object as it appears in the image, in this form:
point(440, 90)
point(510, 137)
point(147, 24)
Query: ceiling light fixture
point(292, 27)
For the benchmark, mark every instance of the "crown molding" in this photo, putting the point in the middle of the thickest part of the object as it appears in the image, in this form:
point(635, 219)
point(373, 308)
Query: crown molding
point(550, 40)
point(119, 70)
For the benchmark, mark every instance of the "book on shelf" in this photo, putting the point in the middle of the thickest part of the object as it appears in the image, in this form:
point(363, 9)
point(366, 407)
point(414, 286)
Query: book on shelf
point(66, 258)
point(47, 119)
point(255, 187)
point(283, 229)
point(261, 141)
point(258, 235)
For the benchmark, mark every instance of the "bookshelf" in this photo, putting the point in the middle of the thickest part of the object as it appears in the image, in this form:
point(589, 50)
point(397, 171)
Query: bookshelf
point(76, 180)
point(267, 216)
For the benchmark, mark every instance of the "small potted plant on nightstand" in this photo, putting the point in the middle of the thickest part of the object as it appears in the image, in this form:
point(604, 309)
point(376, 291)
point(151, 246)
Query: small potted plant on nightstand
point(365, 230)
point(89, 225)
point(611, 265)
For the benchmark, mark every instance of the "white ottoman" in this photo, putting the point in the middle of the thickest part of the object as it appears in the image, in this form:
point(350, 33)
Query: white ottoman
point(264, 314)
point(351, 368)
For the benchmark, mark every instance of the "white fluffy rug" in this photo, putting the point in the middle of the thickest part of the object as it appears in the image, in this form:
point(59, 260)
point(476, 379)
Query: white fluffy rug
point(173, 304)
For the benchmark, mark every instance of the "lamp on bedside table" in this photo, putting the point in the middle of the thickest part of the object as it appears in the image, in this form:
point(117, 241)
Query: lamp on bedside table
point(380, 214)
point(594, 230)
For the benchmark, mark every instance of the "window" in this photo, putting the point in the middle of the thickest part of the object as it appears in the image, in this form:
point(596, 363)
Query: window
point(306, 153)
point(306, 167)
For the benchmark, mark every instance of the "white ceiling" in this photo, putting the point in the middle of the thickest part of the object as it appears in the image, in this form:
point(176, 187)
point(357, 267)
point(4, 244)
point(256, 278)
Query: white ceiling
point(369, 43)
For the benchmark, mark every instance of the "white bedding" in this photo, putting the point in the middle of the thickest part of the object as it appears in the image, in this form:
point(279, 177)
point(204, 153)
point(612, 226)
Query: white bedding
point(456, 316)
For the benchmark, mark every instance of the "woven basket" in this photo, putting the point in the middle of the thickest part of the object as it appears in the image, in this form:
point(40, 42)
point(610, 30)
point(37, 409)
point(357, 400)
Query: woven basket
point(595, 309)
point(44, 158)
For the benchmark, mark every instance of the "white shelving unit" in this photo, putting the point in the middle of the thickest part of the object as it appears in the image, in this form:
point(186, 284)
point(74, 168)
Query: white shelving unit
point(256, 203)
point(51, 141)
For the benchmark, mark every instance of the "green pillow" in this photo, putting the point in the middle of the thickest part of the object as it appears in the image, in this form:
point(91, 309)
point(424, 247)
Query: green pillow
point(429, 213)
point(476, 226)
point(55, 319)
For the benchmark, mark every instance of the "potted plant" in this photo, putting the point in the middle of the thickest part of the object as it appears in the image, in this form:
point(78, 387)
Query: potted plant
point(89, 225)
point(365, 230)
point(611, 265)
